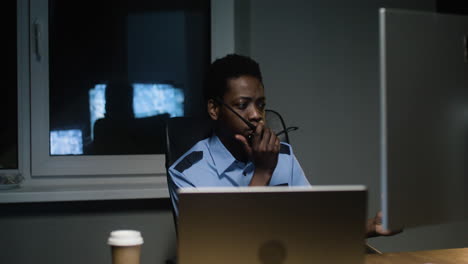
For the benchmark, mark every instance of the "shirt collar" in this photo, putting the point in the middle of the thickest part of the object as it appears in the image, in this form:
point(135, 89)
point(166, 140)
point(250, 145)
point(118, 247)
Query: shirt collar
point(222, 157)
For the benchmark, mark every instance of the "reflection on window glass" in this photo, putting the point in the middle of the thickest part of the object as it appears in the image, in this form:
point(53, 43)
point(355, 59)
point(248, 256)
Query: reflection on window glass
point(156, 99)
point(97, 102)
point(148, 100)
point(66, 142)
point(118, 76)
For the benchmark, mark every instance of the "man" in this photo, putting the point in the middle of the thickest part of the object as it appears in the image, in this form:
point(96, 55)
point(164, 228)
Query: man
point(239, 153)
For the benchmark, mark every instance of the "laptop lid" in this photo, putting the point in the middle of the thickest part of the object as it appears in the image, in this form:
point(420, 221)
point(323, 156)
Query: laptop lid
point(320, 224)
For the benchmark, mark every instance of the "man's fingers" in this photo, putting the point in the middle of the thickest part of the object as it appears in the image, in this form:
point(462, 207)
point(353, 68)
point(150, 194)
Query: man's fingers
point(245, 143)
point(257, 136)
point(265, 140)
point(242, 139)
point(265, 143)
point(274, 142)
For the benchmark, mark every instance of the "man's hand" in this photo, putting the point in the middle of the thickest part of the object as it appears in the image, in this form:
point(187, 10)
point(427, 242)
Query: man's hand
point(374, 227)
point(263, 151)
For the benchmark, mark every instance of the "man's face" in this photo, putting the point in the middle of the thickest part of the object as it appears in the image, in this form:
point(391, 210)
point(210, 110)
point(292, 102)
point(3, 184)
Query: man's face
point(245, 94)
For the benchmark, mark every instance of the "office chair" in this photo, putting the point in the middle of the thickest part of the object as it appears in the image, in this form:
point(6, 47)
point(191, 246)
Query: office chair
point(184, 132)
point(181, 134)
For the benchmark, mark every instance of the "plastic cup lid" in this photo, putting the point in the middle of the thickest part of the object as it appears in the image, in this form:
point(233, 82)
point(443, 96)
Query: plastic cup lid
point(125, 238)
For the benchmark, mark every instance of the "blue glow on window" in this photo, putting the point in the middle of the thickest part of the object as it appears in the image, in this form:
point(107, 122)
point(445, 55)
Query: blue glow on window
point(97, 103)
point(66, 142)
point(148, 100)
point(156, 99)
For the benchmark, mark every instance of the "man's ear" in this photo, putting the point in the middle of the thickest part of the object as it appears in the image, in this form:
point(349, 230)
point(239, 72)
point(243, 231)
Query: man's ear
point(213, 109)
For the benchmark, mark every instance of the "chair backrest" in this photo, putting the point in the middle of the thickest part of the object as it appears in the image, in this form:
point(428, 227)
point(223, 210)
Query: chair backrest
point(182, 133)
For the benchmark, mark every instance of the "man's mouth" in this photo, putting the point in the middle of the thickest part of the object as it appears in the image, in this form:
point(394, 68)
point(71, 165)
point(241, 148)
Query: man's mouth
point(249, 132)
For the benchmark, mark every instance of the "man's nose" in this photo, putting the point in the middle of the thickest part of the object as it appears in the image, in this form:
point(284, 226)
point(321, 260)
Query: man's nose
point(255, 115)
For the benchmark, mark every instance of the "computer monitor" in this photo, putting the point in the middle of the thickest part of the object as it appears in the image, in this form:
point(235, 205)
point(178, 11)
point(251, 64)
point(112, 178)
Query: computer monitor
point(424, 118)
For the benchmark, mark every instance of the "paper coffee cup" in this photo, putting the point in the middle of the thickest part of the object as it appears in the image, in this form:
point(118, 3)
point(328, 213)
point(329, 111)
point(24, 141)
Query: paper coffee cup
point(125, 246)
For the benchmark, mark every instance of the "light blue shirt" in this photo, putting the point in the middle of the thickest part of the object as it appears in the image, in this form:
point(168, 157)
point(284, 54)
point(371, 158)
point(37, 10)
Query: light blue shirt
point(209, 164)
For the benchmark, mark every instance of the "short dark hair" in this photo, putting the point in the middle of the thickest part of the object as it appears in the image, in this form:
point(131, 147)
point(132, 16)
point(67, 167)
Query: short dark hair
point(228, 67)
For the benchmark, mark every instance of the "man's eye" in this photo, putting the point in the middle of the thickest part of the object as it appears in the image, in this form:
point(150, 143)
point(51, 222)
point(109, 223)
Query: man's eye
point(241, 105)
point(262, 105)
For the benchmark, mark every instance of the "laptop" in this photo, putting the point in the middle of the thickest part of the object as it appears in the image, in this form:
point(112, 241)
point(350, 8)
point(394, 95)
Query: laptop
point(274, 225)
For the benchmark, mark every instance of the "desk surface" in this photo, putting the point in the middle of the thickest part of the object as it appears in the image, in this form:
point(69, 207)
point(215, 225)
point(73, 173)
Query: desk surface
point(440, 256)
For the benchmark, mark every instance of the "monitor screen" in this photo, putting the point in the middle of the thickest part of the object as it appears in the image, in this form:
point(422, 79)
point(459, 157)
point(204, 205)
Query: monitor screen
point(424, 118)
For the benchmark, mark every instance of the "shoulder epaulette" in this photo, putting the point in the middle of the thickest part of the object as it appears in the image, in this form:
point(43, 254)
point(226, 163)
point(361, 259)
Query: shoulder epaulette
point(284, 149)
point(188, 161)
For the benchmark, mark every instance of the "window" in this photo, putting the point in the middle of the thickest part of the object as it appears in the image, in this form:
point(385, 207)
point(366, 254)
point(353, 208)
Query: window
point(105, 79)
point(63, 90)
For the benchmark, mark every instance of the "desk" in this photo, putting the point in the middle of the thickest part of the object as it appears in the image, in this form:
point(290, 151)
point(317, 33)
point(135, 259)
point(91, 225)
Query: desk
point(440, 256)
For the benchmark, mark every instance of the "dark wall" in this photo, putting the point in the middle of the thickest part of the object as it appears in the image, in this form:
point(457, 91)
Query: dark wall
point(452, 7)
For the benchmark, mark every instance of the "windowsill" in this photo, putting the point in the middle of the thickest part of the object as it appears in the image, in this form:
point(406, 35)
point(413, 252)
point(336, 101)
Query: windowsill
point(32, 193)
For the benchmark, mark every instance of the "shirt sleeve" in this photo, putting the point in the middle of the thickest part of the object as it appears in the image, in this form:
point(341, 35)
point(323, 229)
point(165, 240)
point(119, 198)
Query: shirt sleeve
point(298, 176)
point(176, 181)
